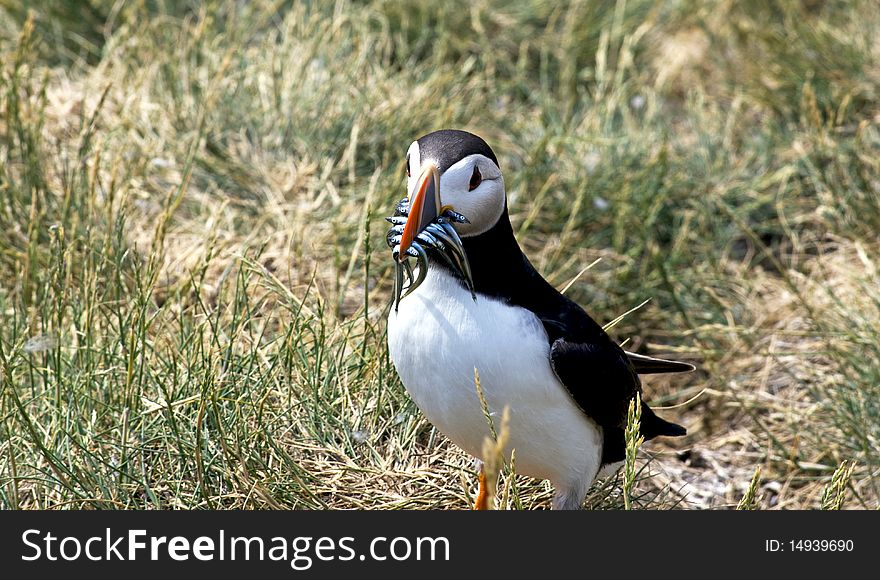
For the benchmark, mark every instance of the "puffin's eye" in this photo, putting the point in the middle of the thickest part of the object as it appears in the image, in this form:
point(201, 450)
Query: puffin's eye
point(407, 165)
point(476, 179)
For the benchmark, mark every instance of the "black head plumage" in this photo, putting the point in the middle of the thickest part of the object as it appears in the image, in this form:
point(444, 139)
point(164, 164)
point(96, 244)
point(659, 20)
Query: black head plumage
point(449, 146)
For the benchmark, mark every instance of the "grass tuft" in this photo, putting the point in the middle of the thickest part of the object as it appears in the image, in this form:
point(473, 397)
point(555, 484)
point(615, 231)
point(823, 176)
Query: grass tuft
point(634, 440)
point(834, 494)
point(751, 500)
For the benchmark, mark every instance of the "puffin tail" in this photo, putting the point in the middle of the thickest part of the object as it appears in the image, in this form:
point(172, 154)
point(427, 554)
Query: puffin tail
point(654, 426)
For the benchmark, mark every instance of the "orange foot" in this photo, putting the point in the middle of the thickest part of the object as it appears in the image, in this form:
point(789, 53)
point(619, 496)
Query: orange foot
point(482, 502)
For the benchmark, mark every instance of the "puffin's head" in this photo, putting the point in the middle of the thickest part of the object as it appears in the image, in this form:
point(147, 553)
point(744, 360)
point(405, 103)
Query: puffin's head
point(456, 170)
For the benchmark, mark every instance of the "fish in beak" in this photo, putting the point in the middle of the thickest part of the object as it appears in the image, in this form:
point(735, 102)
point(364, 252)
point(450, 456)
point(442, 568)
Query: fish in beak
point(424, 207)
point(428, 225)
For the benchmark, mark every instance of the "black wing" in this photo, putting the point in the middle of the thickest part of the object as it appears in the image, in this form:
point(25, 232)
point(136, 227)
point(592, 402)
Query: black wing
point(602, 381)
point(598, 376)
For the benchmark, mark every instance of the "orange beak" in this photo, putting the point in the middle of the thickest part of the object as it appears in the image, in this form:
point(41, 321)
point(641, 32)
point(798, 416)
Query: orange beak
point(424, 207)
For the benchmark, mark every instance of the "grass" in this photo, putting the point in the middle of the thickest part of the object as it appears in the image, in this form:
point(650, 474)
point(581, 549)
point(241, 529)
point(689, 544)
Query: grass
point(193, 279)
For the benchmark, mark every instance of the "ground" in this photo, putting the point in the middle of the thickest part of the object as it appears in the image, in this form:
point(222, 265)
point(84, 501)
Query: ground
point(194, 282)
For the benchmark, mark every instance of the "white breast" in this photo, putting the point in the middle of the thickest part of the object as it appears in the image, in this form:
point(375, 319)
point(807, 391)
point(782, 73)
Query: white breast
point(437, 338)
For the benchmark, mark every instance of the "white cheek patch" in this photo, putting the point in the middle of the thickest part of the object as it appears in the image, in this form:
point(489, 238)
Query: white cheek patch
point(482, 206)
point(482, 209)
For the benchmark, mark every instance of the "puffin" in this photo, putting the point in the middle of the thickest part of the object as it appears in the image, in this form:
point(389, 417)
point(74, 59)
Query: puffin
point(566, 385)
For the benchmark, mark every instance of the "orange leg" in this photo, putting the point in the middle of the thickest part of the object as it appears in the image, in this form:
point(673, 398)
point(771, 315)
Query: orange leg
point(482, 502)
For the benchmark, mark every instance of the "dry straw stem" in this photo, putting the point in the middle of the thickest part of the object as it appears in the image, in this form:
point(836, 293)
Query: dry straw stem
point(495, 449)
point(494, 453)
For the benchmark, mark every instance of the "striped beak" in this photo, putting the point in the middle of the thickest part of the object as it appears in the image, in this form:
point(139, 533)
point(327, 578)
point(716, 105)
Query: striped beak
point(424, 207)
